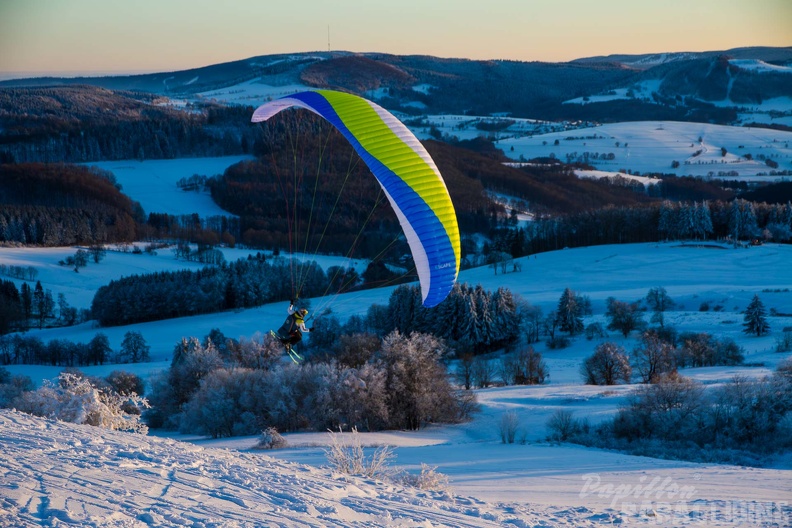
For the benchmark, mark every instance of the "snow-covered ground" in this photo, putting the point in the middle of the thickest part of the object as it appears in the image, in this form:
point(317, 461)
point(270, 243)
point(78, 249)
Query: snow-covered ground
point(153, 183)
point(691, 274)
point(252, 92)
point(597, 174)
point(652, 146)
point(466, 126)
point(759, 66)
point(121, 261)
point(58, 473)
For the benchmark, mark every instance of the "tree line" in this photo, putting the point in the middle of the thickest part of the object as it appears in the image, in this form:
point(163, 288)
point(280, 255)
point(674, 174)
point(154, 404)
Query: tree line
point(738, 220)
point(20, 349)
point(26, 307)
point(58, 205)
point(244, 283)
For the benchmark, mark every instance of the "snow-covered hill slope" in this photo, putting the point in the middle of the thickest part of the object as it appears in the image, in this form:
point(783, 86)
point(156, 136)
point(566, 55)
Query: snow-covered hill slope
point(691, 275)
point(652, 146)
point(58, 474)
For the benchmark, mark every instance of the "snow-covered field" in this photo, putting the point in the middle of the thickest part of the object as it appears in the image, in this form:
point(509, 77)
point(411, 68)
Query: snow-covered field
point(596, 175)
point(57, 473)
point(652, 146)
point(153, 183)
point(120, 261)
point(252, 92)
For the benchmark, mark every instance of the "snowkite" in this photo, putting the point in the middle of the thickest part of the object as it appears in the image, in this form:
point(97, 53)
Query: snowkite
point(407, 174)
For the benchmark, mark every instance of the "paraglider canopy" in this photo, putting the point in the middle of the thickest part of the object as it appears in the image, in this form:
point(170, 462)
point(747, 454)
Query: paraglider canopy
point(407, 174)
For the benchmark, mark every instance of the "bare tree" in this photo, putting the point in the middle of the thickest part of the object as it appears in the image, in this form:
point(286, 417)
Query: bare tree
point(659, 301)
point(607, 366)
point(624, 317)
point(483, 372)
point(653, 357)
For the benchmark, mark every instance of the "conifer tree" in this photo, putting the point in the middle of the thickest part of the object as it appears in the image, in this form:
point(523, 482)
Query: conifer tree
point(569, 313)
point(756, 318)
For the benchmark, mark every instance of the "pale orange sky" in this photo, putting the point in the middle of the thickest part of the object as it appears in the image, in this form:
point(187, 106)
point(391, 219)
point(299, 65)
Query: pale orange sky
point(165, 35)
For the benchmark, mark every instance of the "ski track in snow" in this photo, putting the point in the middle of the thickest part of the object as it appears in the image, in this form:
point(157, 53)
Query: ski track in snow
point(57, 474)
point(60, 474)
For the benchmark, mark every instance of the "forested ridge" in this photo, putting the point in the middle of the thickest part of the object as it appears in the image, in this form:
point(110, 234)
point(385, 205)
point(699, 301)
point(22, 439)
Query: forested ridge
point(307, 178)
point(59, 204)
point(86, 123)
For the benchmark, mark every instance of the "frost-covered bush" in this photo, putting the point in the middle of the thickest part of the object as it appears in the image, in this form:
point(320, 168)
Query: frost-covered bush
point(271, 439)
point(350, 458)
point(354, 398)
point(738, 422)
point(428, 479)
point(418, 390)
point(259, 352)
point(191, 362)
point(228, 403)
point(75, 399)
point(403, 385)
point(508, 426)
point(12, 386)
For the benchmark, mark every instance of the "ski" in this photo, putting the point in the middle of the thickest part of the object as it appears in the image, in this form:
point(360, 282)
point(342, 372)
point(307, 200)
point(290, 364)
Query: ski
point(297, 358)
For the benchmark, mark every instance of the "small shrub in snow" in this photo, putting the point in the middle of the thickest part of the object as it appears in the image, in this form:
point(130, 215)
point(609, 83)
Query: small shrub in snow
point(429, 479)
point(784, 341)
point(595, 330)
point(271, 439)
point(508, 426)
point(563, 426)
point(75, 399)
point(558, 342)
point(350, 458)
point(12, 387)
point(784, 369)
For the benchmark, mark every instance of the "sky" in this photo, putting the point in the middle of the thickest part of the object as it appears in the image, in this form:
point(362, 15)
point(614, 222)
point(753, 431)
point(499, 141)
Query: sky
point(103, 36)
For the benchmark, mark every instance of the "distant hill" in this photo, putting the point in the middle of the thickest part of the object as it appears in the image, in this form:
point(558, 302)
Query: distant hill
point(649, 60)
point(424, 84)
point(80, 123)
